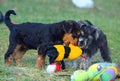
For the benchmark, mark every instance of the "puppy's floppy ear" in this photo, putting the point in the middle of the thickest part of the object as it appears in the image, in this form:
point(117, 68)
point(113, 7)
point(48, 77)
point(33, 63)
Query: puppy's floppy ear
point(95, 33)
point(94, 30)
point(81, 23)
point(88, 22)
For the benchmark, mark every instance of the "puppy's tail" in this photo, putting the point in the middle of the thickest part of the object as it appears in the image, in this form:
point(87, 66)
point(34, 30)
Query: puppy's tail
point(8, 20)
point(1, 17)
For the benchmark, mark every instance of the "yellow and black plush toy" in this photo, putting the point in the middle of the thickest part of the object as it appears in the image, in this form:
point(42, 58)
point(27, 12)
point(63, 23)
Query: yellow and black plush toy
point(57, 53)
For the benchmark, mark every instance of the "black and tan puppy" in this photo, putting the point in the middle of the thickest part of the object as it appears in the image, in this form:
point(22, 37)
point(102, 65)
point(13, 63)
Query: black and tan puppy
point(36, 36)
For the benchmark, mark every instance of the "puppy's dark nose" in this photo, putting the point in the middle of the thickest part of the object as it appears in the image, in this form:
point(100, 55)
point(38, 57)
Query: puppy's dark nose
point(81, 43)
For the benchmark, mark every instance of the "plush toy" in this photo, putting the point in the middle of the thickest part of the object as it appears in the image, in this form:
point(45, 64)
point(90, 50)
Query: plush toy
point(57, 53)
point(54, 67)
point(97, 72)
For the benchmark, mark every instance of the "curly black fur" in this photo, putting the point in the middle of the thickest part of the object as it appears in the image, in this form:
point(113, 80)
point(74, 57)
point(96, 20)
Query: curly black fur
point(91, 40)
point(36, 35)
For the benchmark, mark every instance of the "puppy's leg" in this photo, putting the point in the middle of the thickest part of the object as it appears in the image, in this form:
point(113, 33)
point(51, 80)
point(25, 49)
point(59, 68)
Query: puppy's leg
point(18, 54)
point(63, 64)
point(105, 51)
point(40, 61)
point(51, 60)
point(9, 54)
point(105, 55)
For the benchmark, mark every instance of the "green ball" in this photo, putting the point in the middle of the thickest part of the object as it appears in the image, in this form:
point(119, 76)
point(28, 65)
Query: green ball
point(80, 75)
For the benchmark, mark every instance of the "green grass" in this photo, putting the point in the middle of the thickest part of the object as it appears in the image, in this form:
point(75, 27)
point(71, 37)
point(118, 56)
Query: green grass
point(105, 15)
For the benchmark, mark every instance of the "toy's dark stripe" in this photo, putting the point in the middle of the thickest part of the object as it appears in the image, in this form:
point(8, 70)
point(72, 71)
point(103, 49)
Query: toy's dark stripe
point(67, 51)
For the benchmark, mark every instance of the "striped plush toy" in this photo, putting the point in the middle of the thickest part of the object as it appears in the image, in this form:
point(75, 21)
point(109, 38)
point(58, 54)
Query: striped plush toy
point(57, 53)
